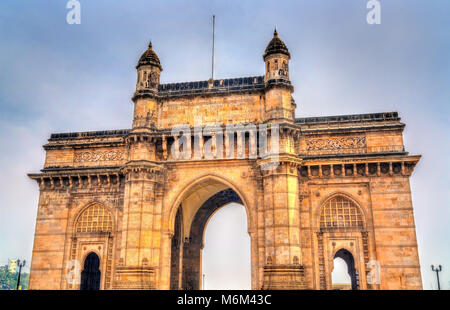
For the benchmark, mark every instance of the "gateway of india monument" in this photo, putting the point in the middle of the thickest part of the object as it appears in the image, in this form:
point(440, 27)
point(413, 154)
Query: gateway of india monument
point(127, 209)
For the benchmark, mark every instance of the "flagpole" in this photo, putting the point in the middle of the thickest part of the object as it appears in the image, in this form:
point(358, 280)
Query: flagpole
point(212, 63)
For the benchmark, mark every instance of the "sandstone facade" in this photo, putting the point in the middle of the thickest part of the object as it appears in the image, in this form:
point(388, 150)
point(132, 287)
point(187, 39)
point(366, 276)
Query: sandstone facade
point(335, 187)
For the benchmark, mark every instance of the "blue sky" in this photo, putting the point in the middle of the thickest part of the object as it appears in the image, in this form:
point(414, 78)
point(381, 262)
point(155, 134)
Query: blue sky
point(57, 77)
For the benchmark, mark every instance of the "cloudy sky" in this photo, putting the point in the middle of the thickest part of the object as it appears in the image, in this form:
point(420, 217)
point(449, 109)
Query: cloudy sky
point(56, 77)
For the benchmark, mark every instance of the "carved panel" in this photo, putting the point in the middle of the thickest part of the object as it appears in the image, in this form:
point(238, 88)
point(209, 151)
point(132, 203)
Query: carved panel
point(336, 145)
point(98, 156)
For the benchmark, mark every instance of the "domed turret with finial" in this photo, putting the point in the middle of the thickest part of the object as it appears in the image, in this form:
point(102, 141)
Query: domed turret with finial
point(276, 56)
point(148, 69)
point(145, 103)
point(278, 92)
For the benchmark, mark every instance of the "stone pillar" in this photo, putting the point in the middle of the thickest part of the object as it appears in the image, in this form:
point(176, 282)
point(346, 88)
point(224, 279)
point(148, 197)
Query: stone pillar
point(138, 261)
point(283, 269)
point(191, 279)
point(229, 152)
point(164, 146)
point(164, 281)
point(199, 154)
point(214, 144)
point(252, 153)
point(240, 145)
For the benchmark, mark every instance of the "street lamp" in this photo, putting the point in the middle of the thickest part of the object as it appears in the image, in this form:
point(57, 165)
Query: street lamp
point(437, 270)
point(20, 264)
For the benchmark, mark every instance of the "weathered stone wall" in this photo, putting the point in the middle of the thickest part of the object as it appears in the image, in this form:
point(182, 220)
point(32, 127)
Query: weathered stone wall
point(388, 233)
point(378, 185)
point(86, 150)
point(56, 242)
point(49, 240)
point(395, 233)
point(231, 109)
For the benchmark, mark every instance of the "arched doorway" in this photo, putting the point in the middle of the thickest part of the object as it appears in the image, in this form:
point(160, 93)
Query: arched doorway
point(90, 276)
point(349, 261)
point(340, 279)
point(342, 228)
point(188, 239)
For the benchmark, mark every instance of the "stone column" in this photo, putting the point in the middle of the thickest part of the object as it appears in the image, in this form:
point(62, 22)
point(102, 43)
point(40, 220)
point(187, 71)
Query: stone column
point(200, 145)
point(283, 269)
point(240, 145)
point(252, 153)
point(164, 279)
point(138, 262)
point(164, 145)
point(214, 144)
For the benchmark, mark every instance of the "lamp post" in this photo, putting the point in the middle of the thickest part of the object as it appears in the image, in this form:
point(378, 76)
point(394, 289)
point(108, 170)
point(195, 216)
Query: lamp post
point(203, 282)
point(437, 270)
point(20, 264)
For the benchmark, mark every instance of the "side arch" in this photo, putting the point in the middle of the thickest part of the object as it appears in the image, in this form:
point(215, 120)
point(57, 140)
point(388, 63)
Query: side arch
point(342, 224)
point(93, 229)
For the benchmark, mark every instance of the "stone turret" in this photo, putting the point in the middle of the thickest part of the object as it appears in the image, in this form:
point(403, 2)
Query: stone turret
point(149, 70)
point(145, 104)
point(276, 57)
point(280, 106)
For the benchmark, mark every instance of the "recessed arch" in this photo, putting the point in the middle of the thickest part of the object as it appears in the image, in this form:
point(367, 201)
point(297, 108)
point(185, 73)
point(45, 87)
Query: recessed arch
point(209, 208)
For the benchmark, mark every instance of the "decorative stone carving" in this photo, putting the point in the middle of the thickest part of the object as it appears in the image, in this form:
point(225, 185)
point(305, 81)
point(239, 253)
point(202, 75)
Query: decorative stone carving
point(336, 145)
point(96, 156)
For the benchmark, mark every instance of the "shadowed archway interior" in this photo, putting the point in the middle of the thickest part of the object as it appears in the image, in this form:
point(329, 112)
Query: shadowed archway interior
point(90, 276)
point(186, 251)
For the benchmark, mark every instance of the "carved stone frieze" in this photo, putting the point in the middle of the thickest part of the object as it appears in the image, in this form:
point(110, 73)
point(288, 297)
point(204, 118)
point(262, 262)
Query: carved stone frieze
point(98, 156)
point(336, 145)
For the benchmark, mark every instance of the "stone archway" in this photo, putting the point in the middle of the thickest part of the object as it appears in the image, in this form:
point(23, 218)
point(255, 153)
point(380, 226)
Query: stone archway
point(342, 235)
point(186, 258)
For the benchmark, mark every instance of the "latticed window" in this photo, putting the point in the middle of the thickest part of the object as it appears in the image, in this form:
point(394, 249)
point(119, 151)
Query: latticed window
point(96, 218)
point(340, 213)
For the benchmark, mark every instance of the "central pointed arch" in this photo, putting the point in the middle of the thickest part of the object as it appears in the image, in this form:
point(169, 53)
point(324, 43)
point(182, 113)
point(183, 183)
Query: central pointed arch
point(192, 209)
point(216, 183)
